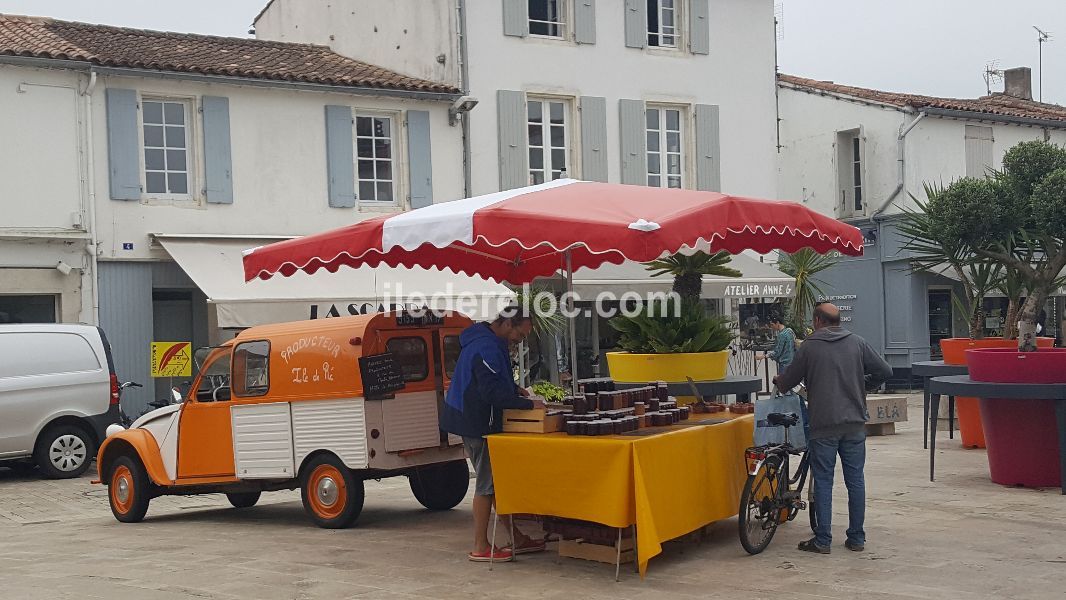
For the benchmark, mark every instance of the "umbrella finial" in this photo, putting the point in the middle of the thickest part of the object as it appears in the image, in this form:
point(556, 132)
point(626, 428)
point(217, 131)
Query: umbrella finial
point(642, 225)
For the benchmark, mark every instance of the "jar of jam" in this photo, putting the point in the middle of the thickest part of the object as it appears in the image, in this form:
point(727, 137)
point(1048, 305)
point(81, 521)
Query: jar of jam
point(581, 405)
point(653, 404)
point(571, 427)
point(604, 400)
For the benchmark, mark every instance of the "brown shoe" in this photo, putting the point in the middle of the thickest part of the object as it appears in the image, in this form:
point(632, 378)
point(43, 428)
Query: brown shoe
point(854, 546)
point(811, 546)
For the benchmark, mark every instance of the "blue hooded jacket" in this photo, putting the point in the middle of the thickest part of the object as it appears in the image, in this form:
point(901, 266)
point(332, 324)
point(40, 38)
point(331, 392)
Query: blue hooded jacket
point(482, 385)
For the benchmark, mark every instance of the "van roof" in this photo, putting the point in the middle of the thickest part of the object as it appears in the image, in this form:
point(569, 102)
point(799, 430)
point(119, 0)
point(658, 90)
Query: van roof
point(353, 325)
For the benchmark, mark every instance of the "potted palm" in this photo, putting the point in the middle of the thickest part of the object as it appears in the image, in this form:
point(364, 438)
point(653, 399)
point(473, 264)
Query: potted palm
point(672, 340)
point(804, 266)
point(1018, 219)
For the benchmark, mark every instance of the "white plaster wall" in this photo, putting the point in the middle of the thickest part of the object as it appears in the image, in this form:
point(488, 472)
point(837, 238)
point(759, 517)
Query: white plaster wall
point(278, 142)
point(405, 36)
point(738, 75)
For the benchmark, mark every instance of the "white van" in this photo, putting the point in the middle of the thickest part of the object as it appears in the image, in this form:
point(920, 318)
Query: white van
point(58, 394)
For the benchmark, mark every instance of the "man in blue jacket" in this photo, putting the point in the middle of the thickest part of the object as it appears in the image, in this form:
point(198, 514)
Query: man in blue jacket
point(482, 386)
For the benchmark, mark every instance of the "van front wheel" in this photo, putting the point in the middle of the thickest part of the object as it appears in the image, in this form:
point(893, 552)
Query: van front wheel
point(64, 451)
point(441, 486)
point(332, 497)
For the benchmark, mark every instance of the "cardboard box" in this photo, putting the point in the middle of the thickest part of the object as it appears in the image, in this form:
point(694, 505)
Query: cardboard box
point(600, 553)
point(531, 421)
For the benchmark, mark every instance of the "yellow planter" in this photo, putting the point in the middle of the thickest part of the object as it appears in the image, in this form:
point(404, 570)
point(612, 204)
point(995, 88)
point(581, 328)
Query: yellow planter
point(628, 367)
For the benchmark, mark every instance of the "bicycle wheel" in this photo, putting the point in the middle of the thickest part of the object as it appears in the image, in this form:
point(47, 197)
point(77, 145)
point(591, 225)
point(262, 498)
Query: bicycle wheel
point(760, 506)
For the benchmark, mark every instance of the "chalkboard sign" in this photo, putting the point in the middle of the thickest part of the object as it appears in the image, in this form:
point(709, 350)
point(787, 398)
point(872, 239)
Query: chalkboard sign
point(381, 375)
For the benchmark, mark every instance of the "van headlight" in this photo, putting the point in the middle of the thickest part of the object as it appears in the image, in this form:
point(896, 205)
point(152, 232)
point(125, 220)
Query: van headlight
point(112, 429)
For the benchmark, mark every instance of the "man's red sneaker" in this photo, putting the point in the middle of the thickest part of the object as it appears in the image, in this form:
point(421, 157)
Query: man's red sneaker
point(496, 554)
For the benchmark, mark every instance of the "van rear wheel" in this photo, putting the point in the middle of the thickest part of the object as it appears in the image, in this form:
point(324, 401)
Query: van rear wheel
point(441, 486)
point(128, 490)
point(64, 451)
point(332, 496)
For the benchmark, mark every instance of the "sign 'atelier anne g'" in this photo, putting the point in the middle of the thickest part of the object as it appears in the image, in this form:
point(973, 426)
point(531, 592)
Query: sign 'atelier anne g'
point(759, 290)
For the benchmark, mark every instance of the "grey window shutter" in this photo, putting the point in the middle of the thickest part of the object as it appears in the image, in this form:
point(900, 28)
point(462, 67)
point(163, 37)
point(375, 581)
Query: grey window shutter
point(420, 164)
point(340, 156)
point(585, 21)
point(123, 145)
point(632, 129)
point(708, 149)
point(516, 17)
point(218, 162)
point(511, 125)
point(636, 23)
point(593, 138)
point(699, 26)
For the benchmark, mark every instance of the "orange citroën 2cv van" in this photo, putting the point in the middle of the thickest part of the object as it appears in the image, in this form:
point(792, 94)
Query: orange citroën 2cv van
point(292, 405)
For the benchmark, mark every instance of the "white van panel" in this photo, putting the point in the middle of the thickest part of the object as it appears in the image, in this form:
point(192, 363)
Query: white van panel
point(262, 441)
point(335, 425)
point(411, 421)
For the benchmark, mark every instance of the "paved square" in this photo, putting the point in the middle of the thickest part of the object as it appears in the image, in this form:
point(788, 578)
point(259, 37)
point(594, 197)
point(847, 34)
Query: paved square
point(960, 537)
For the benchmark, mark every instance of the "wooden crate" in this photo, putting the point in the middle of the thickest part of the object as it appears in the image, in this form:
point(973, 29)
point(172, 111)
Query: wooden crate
point(531, 421)
point(600, 553)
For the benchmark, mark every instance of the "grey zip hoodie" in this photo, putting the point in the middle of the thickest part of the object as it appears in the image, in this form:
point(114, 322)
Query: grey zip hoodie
point(834, 364)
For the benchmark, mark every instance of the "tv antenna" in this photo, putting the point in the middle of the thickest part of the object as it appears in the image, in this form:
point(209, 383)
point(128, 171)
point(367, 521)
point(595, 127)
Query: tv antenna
point(779, 19)
point(1041, 38)
point(993, 74)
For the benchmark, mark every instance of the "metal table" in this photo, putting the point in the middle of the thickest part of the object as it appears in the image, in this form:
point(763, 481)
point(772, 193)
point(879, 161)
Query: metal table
point(936, 368)
point(741, 386)
point(962, 385)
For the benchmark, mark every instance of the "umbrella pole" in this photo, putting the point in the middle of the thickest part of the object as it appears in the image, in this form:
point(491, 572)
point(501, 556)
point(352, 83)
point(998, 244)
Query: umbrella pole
point(573, 323)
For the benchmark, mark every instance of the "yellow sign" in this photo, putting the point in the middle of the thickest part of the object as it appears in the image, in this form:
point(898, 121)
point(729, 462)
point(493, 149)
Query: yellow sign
point(171, 359)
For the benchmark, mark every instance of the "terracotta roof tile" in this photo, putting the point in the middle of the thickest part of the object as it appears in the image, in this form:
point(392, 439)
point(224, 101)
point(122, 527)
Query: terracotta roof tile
point(995, 104)
point(109, 46)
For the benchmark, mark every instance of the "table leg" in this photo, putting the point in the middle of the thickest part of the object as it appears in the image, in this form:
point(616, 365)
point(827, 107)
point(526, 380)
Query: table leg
point(934, 410)
point(492, 542)
point(925, 413)
point(1060, 416)
point(951, 417)
point(618, 556)
point(636, 555)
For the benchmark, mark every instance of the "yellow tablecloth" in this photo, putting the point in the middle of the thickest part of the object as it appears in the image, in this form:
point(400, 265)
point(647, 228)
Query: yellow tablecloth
point(666, 484)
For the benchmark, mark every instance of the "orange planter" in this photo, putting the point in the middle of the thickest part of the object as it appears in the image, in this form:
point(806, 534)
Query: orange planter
point(968, 410)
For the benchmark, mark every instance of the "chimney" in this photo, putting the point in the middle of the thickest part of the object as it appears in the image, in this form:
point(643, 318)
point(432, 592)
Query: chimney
point(1018, 82)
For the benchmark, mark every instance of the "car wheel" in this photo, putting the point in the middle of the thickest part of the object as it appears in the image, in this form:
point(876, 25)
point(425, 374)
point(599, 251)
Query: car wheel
point(332, 496)
point(243, 499)
point(442, 486)
point(64, 451)
point(128, 489)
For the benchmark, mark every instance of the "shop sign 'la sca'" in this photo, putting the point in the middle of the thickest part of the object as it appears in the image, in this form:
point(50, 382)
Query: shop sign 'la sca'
point(757, 290)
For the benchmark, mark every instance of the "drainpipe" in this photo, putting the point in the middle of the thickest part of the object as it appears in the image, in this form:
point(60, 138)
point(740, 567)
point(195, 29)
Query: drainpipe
point(464, 84)
point(90, 165)
point(901, 144)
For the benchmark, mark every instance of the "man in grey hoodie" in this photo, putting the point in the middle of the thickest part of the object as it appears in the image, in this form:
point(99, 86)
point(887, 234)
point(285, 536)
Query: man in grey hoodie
point(838, 367)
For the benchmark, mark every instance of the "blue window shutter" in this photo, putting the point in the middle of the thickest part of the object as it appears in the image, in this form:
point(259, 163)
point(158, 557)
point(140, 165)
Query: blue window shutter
point(708, 149)
point(420, 163)
point(699, 26)
point(218, 162)
point(340, 156)
point(636, 23)
point(511, 131)
point(585, 21)
point(123, 145)
point(516, 18)
point(593, 138)
point(632, 131)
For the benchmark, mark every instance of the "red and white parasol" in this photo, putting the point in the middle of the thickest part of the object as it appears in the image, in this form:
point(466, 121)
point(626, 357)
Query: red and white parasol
point(518, 235)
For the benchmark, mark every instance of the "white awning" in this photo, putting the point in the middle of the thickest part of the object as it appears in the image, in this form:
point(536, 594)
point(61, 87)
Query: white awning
point(757, 280)
point(214, 264)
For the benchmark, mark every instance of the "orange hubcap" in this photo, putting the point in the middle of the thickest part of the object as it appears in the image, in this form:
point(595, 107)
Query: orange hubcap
point(326, 491)
point(121, 489)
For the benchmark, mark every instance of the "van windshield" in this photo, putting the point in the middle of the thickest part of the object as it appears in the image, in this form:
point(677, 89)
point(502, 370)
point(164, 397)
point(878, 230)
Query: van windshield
point(215, 375)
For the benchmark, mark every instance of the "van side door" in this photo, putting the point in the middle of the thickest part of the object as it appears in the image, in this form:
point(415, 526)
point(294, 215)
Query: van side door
point(205, 439)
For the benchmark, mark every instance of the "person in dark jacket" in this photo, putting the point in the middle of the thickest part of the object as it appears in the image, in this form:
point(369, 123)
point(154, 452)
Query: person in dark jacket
point(481, 388)
point(837, 367)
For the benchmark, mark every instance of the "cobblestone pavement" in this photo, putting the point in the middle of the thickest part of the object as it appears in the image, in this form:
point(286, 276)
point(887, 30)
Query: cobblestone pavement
point(961, 537)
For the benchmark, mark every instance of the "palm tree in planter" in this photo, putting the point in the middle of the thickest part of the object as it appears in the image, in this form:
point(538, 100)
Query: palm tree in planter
point(671, 339)
point(804, 266)
point(1024, 203)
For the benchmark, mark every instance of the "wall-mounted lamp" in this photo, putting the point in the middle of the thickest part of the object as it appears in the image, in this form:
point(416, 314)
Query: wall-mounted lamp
point(63, 268)
point(461, 106)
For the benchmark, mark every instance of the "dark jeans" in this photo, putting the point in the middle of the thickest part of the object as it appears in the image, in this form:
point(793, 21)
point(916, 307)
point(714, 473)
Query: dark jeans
point(823, 459)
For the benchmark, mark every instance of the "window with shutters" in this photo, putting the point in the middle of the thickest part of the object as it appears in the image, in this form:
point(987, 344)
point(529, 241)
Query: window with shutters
point(548, 137)
point(167, 141)
point(375, 158)
point(979, 141)
point(548, 18)
point(666, 146)
point(664, 23)
point(850, 173)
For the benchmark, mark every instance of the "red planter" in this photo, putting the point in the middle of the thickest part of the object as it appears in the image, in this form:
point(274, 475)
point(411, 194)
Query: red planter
point(1023, 442)
point(968, 410)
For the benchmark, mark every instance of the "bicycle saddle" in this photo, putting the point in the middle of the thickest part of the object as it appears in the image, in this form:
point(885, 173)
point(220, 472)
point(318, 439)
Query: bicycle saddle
point(785, 419)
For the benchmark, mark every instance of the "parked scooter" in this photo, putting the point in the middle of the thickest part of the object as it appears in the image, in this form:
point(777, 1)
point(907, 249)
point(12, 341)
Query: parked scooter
point(126, 420)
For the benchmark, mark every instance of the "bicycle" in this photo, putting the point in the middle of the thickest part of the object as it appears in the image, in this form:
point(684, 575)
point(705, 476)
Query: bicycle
point(772, 495)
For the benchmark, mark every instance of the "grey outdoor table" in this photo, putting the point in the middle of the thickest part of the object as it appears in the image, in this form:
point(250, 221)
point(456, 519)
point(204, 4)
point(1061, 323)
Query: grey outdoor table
point(962, 385)
point(936, 368)
point(741, 386)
